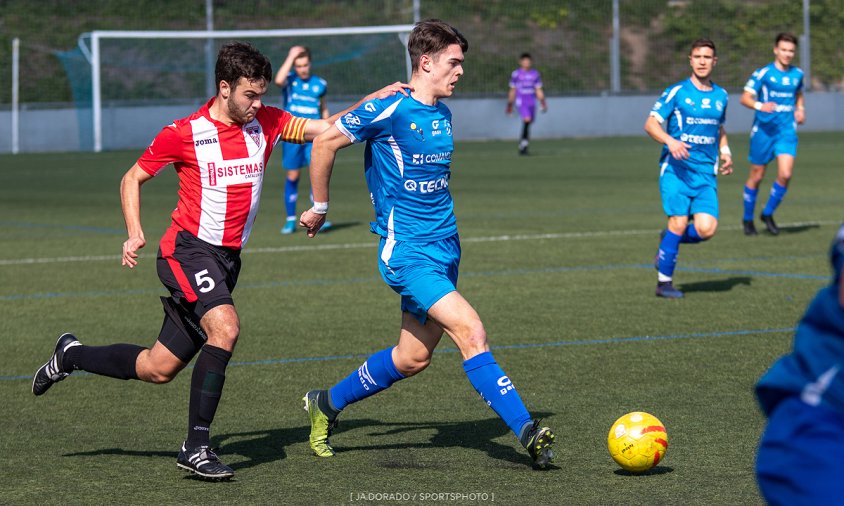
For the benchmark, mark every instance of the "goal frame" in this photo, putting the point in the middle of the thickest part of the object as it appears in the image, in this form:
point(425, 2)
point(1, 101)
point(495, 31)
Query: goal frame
point(402, 31)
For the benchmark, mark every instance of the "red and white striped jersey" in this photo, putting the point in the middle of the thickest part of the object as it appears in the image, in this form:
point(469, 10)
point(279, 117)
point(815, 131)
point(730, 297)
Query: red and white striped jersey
point(221, 169)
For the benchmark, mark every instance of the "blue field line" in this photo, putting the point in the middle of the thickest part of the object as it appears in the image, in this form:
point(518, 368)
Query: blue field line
point(555, 344)
point(761, 274)
point(335, 282)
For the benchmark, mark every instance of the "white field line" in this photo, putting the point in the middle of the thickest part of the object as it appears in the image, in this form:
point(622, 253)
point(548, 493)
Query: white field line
point(374, 243)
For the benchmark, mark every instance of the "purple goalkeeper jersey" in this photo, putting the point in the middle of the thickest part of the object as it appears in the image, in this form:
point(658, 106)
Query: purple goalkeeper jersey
point(525, 82)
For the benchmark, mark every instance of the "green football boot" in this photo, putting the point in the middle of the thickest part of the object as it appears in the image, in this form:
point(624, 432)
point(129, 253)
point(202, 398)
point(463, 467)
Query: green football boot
point(538, 442)
point(321, 425)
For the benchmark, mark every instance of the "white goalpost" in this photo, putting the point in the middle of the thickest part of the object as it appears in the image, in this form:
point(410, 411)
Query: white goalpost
point(94, 54)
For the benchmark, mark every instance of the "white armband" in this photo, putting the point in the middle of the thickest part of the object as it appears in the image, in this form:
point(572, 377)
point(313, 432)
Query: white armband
point(757, 105)
point(320, 207)
point(725, 150)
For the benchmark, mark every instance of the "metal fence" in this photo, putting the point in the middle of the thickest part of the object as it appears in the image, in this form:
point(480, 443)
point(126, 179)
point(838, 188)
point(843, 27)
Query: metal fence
point(575, 43)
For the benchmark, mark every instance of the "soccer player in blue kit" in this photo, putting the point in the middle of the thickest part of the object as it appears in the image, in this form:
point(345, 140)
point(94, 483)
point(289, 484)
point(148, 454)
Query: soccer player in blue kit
point(688, 120)
point(304, 96)
point(802, 394)
point(775, 91)
point(407, 164)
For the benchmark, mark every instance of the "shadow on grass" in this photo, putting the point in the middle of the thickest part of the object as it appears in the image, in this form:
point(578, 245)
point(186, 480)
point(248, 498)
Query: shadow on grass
point(796, 229)
point(474, 435)
point(650, 472)
point(718, 285)
point(264, 446)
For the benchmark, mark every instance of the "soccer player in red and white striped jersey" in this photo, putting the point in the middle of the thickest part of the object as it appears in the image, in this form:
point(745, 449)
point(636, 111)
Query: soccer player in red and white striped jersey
point(220, 154)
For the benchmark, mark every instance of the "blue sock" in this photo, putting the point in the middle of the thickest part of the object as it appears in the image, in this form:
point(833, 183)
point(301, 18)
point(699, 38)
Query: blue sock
point(777, 194)
point(376, 374)
point(497, 390)
point(668, 249)
point(749, 203)
point(690, 236)
point(291, 195)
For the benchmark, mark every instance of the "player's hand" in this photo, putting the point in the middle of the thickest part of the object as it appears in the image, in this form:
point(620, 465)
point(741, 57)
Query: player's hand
point(679, 150)
point(768, 107)
point(726, 165)
point(544, 108)
point(800, 116)
point(509, 109)
point(311, 221)
point(390, 90)
point(130, 248)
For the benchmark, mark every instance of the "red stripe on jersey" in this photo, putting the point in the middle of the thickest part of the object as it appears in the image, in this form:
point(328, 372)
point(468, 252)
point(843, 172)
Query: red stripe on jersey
point(238, 202)
point(232, 143)
point(168, 246)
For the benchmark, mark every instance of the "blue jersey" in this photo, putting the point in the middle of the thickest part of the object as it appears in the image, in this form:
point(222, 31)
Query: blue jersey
point(302, 96)
point(407, 163)
point(694, 117)
point(813, 370)
point(771, 84)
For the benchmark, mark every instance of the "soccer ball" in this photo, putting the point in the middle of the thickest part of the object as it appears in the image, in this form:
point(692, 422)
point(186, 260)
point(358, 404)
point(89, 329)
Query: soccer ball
point(637, 441)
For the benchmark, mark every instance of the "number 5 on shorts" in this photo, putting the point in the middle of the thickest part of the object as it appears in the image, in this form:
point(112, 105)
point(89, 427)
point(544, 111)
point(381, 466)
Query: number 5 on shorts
point(203, 279)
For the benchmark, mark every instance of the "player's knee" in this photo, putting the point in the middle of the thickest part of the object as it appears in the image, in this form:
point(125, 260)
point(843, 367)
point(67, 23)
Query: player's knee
point(225, 336)
point(157, 373)
point(160, 377)
point(410, 366)
point(706, 231)
point(473, 340)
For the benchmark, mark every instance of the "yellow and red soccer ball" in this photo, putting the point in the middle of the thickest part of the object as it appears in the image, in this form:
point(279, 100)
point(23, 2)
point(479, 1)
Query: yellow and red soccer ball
point(637, 441)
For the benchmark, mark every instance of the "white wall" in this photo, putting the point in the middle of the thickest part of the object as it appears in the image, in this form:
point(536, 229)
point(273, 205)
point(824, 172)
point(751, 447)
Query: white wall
point(474, 119)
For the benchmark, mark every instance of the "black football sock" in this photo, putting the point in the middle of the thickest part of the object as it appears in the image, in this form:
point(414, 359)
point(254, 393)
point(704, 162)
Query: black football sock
point(525, 131)
point(114, 361)
point(206, 388)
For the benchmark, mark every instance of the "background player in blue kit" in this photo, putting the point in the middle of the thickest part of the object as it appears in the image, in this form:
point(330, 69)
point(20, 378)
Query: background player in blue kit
point(407, 165)
point(799, 459)
point(688, 120)
point(775, 91)
point(304, 96)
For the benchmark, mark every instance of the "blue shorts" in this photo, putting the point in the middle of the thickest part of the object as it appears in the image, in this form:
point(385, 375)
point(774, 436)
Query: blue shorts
point(799, 459)
point(686, 193)
point(295, 156)
point(765, 145)
point(422, 273)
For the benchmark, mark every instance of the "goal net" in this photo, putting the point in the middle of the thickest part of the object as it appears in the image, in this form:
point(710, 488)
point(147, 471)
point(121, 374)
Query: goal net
point(128, 84)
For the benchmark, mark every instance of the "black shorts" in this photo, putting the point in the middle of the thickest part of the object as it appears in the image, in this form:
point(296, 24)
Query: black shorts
point(200, 277)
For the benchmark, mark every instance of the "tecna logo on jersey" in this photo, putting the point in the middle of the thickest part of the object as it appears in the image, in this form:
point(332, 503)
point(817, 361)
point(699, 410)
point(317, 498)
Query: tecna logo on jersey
point(697, 139)
point(426, 186)
point(240, 172)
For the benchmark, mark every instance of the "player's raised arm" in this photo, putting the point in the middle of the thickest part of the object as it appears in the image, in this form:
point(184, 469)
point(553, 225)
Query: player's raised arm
point(130, 200)
point(284, 70)
point(323, 154)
